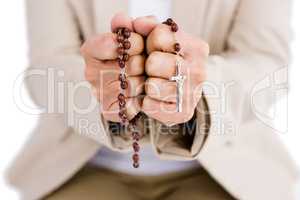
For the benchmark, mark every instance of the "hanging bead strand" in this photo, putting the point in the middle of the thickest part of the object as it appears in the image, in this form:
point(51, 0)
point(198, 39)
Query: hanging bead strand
point(123, 35)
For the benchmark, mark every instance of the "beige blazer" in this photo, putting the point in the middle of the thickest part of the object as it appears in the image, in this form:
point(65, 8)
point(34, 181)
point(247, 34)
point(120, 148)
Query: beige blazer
point(249, 41)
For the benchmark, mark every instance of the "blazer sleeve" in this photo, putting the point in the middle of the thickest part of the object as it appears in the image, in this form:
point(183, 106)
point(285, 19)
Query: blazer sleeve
point(55, 78)
point(257, 49)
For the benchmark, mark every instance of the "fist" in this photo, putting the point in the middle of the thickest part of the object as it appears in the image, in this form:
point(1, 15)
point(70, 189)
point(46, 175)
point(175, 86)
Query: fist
point(102, 70)
point(160, 100)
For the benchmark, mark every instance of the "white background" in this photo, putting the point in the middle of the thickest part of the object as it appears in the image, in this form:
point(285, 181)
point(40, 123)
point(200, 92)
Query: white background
point(15, 125)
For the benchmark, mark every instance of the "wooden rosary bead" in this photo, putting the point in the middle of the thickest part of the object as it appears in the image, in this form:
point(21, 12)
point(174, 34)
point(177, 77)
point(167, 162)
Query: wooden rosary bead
point(177, 47)
point(169, 21)
point(119, 31)
point(121, 97)
point(136, 136)
point(121, 63)
point(120, 50)
point(122, 77)
point(122, 104)
point(125, 57)
point(121, 113)
point(136, 147)
point(136, 165)
point(120, 57)
point(120, 38)
point(124, 85)
point(126, 44)
point(126, 33)
point(174, 27)
point(123, 117)
point(136, 158)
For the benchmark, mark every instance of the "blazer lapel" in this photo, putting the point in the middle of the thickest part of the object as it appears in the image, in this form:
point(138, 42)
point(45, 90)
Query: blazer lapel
point(105, 10)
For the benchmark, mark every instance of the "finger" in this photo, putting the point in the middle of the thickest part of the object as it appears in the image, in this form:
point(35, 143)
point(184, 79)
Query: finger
point(104, 46)
point(134, 66)
point(133, 107)
point(107, 94)
point(162, 65)
point(163, 39)
point(109, 71)
point(135, 87)
point(164, 112)
point(121, 20)
point(161, 89)
point(144, 25)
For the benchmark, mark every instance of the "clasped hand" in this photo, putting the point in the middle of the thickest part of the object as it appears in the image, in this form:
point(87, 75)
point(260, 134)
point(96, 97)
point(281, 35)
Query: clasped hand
point(148, 74)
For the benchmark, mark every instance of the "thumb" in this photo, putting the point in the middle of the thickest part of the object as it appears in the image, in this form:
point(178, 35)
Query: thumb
point(144, 25)
point(121, 20)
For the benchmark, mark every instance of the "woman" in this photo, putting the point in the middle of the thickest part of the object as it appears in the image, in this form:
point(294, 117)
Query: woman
point(63, 160)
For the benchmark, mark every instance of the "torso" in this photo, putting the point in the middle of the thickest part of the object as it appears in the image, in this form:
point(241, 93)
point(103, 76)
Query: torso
point(150, 163)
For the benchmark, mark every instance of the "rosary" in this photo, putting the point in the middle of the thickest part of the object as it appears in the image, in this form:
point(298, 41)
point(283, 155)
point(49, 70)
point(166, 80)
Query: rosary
point(123, 34)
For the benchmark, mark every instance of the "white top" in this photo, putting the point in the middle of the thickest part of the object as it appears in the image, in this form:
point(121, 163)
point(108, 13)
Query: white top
point(159, 8)
point(150, 164)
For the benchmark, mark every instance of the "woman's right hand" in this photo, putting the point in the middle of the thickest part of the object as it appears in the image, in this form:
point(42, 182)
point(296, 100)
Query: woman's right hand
point(102, 70)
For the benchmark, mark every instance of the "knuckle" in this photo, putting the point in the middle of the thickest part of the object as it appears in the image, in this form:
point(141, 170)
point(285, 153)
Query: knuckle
point(156, 35)
point(140, 85)
point(152, 61)
point(136, 64)
point(103, 40)
point(171, 88)
point(146, 103)
point(106, 39)
point(153, 88)
point(151, 85)
point(159, 29)
point(136, 39)
point(148, 86)
point(136, 60)
point(98, 43)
